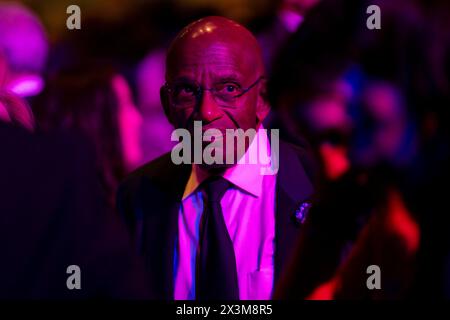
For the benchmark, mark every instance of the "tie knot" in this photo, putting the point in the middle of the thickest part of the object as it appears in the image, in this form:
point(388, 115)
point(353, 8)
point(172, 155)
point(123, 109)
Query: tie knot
point(215, 188)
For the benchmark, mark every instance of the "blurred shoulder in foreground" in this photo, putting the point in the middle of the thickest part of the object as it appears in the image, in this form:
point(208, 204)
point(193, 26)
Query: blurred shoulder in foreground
point(53, 214)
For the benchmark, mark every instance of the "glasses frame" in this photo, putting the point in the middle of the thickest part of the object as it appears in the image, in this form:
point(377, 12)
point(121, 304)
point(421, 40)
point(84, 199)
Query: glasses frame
point(200, 90)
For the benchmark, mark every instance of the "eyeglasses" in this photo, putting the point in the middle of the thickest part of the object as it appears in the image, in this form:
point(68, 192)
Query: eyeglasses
point(186, 94)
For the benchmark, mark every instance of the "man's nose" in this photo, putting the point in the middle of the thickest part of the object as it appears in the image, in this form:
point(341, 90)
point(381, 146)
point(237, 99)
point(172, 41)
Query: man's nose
point(208, 110)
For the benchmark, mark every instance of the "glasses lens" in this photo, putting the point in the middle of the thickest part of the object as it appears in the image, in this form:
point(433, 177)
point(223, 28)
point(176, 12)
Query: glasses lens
point(227, 92)
point(184, 94)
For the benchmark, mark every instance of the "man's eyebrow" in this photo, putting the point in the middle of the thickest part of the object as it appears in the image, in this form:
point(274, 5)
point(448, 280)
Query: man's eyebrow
point(217, 78)
point(227, 77)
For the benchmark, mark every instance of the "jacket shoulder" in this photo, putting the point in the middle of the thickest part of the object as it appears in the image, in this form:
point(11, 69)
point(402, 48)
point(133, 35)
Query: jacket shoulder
point(306, 158)
point(158, 177)
point(153, 170)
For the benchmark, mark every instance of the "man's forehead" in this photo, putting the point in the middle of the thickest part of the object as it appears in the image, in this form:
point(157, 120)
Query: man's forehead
point(215, 28)
point(210, 51)
point(214, 75)
point(215, 41)
point(217, 60)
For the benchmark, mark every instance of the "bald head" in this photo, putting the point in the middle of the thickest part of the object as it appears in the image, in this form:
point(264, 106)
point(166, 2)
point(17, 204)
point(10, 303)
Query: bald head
point(208, 39)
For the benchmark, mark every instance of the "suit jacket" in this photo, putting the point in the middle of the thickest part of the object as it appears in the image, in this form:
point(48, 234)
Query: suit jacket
point(150, 198)
point(53, 215)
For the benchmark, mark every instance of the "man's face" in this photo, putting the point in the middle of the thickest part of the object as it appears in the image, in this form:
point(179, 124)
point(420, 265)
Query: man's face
point(225, 68)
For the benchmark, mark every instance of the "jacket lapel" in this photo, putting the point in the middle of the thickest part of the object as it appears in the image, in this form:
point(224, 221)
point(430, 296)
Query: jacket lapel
point(161, 201)
point(293, 188)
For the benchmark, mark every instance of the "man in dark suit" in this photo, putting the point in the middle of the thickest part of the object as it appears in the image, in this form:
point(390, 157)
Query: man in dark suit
point(58, 239)
point(219, 230)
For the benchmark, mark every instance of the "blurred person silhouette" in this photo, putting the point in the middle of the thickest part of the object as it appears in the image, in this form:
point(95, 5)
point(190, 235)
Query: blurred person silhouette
point(15, 110)
point(314, 82)
point(288, 17)
point(96, 101)
point(385, 131)
point(53, 215)
point(432, 98)
point(23, 50)
point(367, 214)
point(156, 128)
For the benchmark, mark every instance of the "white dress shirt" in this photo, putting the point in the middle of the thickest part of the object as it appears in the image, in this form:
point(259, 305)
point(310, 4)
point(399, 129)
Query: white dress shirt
point(249, 212)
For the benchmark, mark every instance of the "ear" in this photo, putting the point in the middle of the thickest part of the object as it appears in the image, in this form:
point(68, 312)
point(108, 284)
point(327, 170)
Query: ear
point(262, 105)
point(165, 103)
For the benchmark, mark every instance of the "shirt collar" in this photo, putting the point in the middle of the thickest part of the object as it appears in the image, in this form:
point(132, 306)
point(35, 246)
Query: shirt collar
point(245, 176)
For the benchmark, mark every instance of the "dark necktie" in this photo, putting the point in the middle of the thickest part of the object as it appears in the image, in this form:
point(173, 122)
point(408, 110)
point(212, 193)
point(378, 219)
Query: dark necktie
point(216, 275)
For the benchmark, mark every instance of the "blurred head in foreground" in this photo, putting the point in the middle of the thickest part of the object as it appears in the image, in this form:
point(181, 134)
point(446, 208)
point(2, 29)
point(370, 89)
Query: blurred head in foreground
point(96, 102)
point(23, 50)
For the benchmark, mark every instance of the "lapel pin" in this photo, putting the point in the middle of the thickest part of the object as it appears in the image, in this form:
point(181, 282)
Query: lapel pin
point(302, 212)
